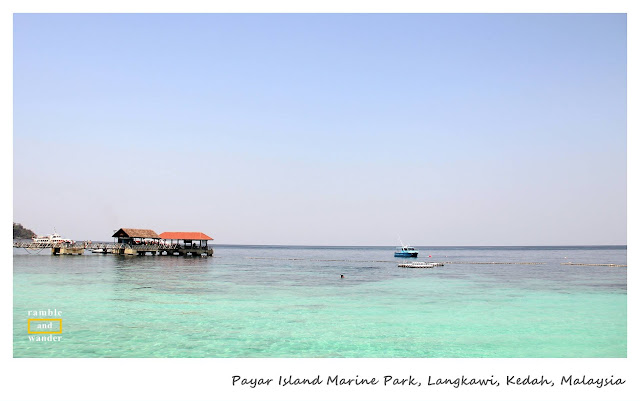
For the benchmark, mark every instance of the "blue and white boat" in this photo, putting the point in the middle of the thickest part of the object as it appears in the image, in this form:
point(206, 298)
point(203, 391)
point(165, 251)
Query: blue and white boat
point(406, 251)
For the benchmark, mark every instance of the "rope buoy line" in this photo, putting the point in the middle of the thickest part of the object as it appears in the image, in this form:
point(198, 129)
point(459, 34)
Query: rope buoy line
point(496, 263)
point(325, 260)
point(593, 264)
point(447, 262)
point(33, 251)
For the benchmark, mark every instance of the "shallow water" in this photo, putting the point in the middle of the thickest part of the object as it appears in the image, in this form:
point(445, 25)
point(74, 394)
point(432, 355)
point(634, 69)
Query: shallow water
point(291, 302)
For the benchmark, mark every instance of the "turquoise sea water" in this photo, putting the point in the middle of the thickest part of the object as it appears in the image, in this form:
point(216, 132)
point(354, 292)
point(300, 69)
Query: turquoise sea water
point(291, 302)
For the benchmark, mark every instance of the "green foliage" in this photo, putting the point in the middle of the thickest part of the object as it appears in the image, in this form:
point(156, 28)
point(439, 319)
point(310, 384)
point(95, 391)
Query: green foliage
point(21, 232)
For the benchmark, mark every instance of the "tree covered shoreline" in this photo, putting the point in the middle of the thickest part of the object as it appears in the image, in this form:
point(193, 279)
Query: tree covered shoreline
point(21, 232)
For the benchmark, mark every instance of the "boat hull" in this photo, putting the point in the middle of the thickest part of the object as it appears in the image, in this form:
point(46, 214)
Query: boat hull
point(406, 254)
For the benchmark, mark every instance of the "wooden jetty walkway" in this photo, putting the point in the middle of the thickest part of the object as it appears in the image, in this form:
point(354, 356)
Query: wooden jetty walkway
point(116, 248)
point(129, 241)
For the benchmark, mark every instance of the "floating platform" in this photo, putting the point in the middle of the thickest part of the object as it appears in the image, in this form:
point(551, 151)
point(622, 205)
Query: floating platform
point(421, 265)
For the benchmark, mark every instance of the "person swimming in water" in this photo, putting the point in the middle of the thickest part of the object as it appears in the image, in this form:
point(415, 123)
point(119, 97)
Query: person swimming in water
point(342, 276)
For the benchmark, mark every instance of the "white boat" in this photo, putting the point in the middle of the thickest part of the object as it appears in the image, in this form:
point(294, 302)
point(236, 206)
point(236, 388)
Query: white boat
point(52, 239)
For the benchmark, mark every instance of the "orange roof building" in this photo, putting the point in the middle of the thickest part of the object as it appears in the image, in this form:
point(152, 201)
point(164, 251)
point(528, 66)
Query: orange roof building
point(187, 238)
point(185, 235)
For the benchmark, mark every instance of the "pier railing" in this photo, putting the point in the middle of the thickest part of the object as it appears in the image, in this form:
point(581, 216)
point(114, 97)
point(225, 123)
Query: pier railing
point(97, 245)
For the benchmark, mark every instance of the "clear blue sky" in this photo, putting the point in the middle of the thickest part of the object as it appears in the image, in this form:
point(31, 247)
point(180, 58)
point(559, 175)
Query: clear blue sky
point(325, 129)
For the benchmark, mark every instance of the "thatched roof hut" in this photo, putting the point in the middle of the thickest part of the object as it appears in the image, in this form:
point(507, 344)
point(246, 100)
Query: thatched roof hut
point(135, 233)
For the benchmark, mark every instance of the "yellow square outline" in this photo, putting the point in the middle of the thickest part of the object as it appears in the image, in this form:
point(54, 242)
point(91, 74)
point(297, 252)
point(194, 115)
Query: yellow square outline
point(43, 332)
